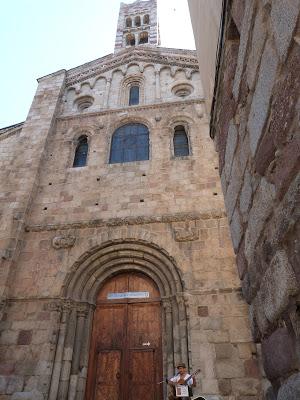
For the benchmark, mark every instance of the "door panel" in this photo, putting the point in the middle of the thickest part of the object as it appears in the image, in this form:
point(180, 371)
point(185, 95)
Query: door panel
point(108, 375)
point(144, 321)
point(125, 360)
point(142, 383)
point(109, 333)
point(111, 326)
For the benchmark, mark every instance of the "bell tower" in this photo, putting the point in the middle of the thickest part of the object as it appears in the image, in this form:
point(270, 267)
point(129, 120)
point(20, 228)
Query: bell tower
point(137, 25)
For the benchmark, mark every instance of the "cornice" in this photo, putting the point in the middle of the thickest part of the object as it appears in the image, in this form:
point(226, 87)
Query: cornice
point(139, 220)
point(131, 109)
point(7, 132)
point(185, 59)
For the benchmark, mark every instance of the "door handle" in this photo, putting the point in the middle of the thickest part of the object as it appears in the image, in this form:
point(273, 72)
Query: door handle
point(118, 375)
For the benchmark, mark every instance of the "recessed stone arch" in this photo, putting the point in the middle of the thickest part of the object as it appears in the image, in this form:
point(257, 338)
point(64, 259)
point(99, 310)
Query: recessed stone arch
point(79, 293)
point(180, 120)
point(127, 83)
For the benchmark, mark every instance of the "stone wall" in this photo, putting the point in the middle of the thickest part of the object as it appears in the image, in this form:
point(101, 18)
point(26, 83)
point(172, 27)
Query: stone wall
point(255, 125)
point(21, 157)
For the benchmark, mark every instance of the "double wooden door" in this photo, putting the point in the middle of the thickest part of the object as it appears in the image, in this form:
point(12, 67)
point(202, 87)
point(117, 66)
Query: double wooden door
point(125, 361)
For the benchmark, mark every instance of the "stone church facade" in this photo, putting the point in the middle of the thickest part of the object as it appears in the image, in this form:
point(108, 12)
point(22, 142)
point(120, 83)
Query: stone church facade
point(116, 258)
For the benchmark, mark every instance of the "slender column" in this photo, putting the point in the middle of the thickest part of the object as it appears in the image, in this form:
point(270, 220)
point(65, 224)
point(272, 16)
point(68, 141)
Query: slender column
point(183, 330)
point(84, 354)
point(67, 358)
point(81, 316)
point(157, 84)
point(107, 92)
point(176, 332)
point(168, 329)
point(59, 355)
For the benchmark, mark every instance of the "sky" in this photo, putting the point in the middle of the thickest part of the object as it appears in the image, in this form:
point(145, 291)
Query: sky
point(39, 37)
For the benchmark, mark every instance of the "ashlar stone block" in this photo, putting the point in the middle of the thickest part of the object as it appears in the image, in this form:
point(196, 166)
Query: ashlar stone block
point(279, 354)
point(33, 395)
point(229, 369)
point(262, 96)
point(291, 389)
point(284, 17)
point(258, 214)
point(279, 283)
point(258, 41)
point(245, 32)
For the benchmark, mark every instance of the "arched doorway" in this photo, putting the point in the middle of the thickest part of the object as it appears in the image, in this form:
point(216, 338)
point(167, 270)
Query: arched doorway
point(76, 310)
point(125, 360)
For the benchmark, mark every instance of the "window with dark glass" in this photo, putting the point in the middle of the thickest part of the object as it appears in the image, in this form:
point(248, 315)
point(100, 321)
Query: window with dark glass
point(143, 38)
point(81, 152)
point(134, 95)
point(181, 143)
point(130, 143)
point(128, 22)
point(130, 40)
point(137, 21)
point(146, 19)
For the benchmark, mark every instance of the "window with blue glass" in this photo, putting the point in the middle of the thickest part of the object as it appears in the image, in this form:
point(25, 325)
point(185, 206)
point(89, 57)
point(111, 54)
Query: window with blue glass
point(181, 143)
point(130, 143)
point(134, 95)
point(81, 152)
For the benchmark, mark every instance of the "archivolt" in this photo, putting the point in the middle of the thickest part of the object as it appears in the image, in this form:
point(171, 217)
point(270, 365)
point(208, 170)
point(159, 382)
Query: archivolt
point(89, 273)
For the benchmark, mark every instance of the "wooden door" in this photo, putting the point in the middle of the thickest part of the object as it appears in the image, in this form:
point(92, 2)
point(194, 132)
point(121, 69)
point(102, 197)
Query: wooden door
point(125, 361)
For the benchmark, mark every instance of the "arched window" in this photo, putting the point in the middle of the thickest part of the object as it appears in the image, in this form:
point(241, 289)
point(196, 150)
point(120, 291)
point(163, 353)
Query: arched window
point(81, 152)
point(146, 20)
point(143, 38)
point(181, 143)
point(130, 40)
point(130, 143)
point(128, 22)
point(134, 95)
point(137, 21)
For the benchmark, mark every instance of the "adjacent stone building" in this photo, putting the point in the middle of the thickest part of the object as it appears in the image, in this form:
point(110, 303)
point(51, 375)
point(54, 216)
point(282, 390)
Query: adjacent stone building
point(255, 127)
point(116, 259)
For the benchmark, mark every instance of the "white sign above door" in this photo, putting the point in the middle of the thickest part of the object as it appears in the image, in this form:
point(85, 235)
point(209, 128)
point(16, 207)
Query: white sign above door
point(128, 295)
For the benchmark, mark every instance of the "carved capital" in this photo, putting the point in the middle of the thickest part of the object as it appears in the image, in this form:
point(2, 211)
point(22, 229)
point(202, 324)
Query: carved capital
point(53, 306)
point(3, 303)
point(167, 306)
point(82, 310)
point(68, 305)
point(63, 242)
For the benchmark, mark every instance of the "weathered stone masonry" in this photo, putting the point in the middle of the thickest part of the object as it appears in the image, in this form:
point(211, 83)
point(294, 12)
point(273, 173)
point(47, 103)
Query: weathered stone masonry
point(255, 126)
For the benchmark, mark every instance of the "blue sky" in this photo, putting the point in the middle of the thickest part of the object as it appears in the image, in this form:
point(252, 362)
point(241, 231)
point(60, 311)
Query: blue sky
point(39, 37)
